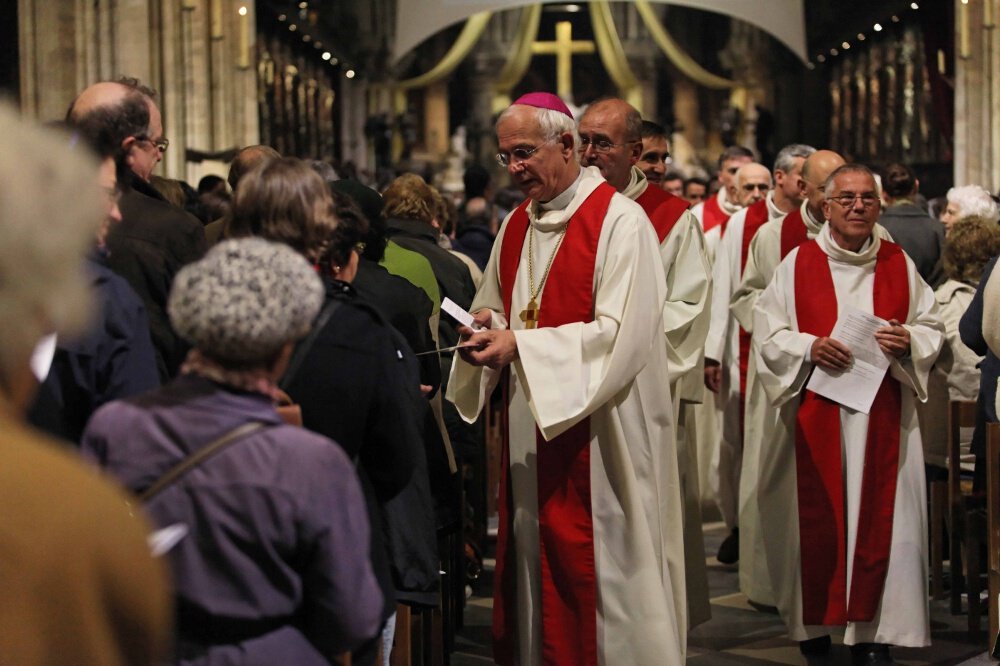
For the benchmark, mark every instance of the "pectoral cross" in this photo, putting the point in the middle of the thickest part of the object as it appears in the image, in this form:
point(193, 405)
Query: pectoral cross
point(529, 315)
point(563, 49)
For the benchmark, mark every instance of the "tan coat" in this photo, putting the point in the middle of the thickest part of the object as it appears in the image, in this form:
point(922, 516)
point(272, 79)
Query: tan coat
point(77, 582)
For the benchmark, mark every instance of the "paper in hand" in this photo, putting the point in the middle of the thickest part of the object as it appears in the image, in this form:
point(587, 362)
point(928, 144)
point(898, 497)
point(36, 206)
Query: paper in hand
point(457, 313)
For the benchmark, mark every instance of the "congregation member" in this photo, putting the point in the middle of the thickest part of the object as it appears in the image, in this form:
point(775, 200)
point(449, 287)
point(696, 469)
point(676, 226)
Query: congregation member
point(608, 132)
point(715, 210)
point(245, 161)
point(969, 200)
point(854, 553)
point(673, 182)
point(772, 242)
point(695, 190)
point(571, 311)
point(727, 345)
point(655, 152)
point(272, 564)
point(114, 358)
point(78, 584)
point(154, 239)
point(920, 235)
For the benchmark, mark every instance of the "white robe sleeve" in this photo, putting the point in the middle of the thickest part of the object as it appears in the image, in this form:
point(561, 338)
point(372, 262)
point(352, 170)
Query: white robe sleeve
point(926, 336)
point(724, 279)
point(762, 259)
point(781, 351)
point(571, 370)
point(689, 287)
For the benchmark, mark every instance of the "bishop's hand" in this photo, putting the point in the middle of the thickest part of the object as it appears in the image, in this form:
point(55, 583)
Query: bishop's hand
point(494, 349)
point(830, 354)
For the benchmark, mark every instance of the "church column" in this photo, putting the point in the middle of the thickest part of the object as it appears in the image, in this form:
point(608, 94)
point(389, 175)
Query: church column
point(977, 91)
point(746, 56)
point(685, 144)
point(436, 129)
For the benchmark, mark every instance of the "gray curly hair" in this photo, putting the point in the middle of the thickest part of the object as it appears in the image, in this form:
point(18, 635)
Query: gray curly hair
point(245, 300)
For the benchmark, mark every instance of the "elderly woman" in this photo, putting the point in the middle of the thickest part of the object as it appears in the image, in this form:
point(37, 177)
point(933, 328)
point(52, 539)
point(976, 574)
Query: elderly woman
point(352, 380)
point(972, 242)
point(274, 567)
point(968, 201)
point(77, 582)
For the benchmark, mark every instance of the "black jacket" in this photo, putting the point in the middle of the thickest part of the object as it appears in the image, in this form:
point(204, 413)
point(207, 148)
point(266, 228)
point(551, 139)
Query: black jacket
point(920, 236)
point(148, 247)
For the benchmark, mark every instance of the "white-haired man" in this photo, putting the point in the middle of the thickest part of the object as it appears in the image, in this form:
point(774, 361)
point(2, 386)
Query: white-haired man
point(611, 135)
point(855, 551)
point(590, 479)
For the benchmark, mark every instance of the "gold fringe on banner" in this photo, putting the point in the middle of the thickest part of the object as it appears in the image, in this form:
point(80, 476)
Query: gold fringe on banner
point(676, 54)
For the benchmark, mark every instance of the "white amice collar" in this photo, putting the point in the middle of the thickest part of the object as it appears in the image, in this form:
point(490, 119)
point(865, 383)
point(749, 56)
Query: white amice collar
point(812, 224)
point(562, 200)
point(865, 255)
point(637, 184)
point(727, 208)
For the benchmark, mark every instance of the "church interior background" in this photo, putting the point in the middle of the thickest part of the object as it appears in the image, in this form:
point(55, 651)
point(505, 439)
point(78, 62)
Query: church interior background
point(877, 81)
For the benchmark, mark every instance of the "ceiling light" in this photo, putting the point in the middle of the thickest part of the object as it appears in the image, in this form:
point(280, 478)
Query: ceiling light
point(821, 58)
point(293, 27)
point(861, 37)
point(349, 73)
point(333, 61)
point(243, 11)
point(303, 5)
point(895, 19)
point(282, 17)
point(326, 55)
point(845, 45)
point(878, 27)
point(914, 5)
point(834, 52)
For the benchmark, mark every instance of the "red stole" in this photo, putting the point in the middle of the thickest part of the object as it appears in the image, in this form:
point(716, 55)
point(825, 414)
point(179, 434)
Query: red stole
point(756, 217)
point(662, 208)
point(822, 523)
point(712, 215)
point(793, 232)
point(565, 520)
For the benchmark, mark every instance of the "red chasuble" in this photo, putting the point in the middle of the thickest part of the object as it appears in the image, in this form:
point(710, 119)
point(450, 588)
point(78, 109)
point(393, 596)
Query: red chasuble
point(712, 215)
point(757, 216)
point(565, 519)
point(822, 523)
point(793, 232)
point(662, 208)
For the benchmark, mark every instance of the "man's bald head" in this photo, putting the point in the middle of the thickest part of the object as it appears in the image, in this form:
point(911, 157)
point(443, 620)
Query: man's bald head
point(247, 160)
point(102, 94)
point(753, 181)
point(611, 139)
point(815, 171)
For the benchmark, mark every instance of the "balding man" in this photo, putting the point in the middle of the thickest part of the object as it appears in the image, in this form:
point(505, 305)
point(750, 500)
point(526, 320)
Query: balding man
point(154, 239)
point(727, 346)
point(608, 133)
point(715, 212)
point(761, 472)
point(244, 162)
point(854, 546)
point(589, 552)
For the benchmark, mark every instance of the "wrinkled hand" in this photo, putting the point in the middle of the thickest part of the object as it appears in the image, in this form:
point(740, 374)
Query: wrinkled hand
point(894, 339)
point(494, 349)
point(483, 319)
point(713, 375)
point(831, 354)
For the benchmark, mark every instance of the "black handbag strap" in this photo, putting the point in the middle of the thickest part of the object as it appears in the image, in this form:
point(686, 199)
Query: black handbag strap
point(306, 345)
point(198, 457)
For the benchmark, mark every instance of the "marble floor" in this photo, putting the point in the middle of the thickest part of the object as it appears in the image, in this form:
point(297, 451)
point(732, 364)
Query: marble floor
point(740, 634)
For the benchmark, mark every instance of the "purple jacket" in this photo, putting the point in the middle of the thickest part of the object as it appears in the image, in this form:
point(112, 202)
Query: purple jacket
point(275, 568)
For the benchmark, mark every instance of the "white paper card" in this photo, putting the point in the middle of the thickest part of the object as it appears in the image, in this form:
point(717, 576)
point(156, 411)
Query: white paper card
point(457, 313)
point(854, 388)
point(162, 541)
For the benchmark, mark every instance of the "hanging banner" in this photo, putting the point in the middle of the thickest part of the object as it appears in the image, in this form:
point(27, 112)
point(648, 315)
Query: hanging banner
point(416, 20)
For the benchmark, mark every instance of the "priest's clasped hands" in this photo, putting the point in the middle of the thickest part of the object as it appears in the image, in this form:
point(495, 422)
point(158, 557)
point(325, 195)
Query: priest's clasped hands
point(893, 339)
point(486, 347)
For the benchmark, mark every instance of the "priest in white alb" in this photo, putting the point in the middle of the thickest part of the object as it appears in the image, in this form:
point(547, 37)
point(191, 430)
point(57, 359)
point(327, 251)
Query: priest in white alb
point(589, 551)
point(855, 554)
point(715, 211)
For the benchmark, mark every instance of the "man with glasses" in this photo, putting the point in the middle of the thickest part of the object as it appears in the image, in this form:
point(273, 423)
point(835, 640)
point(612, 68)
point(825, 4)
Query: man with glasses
point(154, 239)
point(571, 307)
point(854, 513)
point(727, 346)
point(608, 131)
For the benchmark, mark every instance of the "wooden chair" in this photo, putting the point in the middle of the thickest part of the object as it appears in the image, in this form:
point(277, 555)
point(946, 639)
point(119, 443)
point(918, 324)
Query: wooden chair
point(993, 525)
point(964, 525)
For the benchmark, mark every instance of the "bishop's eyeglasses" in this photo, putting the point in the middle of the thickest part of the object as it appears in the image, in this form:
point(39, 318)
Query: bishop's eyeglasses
point(518, 155)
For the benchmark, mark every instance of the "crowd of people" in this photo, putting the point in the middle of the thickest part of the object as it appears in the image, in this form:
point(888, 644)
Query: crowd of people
point(290, 418)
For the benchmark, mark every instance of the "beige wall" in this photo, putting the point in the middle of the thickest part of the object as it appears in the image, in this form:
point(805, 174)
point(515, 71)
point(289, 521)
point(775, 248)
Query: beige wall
point(977, 94)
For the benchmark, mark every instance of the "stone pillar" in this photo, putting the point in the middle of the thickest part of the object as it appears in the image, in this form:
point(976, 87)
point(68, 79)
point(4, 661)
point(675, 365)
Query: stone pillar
point(191, 51)
point(436, 129)
point(977, 92)
point(686, 143)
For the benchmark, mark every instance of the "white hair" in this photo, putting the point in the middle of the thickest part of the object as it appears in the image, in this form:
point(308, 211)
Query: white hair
point(974, 200)
point(551, 124)
point(785, 161)
point(51, 212)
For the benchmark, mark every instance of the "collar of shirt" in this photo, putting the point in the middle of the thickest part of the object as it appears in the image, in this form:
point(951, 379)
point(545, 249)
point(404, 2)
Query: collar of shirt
point(562, 200)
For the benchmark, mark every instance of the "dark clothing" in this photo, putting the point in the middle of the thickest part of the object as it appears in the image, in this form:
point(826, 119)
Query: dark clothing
point(148, 247)
point(971, 330)
point(274, 568)
point(474, 241)
point(920, 236)
point(407, 308)
point(359, 385)
point(451, 274)
point(113, 360)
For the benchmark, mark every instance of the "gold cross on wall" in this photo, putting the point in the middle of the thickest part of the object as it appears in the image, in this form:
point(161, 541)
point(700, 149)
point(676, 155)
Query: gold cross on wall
point(563, 49)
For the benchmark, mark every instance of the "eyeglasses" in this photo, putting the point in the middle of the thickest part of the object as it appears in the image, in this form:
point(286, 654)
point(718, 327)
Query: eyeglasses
point(519, 155)
point(359, 247)
point(161, 144)
point(600, 145)
point(847, 200)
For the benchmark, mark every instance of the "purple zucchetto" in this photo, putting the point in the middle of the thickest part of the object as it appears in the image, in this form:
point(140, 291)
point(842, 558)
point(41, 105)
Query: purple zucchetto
point(544, 100)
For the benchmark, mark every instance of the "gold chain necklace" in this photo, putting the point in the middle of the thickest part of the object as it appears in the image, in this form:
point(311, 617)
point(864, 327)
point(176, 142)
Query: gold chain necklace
point(529, 315)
